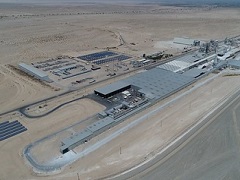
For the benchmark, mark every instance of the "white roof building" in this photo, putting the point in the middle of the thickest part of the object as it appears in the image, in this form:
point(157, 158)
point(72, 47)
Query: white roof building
point(37, 73)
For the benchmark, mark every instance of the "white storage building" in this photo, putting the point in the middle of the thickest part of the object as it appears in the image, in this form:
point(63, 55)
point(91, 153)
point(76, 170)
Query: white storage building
point(31, 70)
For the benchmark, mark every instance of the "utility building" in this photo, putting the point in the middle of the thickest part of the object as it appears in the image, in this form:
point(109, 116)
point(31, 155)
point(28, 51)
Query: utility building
point(86, 134)
point(75, 140)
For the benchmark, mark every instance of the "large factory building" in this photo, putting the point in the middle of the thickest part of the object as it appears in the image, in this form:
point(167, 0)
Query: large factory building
point(112, 89)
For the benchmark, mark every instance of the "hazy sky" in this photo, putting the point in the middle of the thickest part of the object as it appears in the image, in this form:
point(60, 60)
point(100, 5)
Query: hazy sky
point(137, 1)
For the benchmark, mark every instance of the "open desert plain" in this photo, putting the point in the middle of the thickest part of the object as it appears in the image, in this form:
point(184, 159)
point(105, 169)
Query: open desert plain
point(190, 133)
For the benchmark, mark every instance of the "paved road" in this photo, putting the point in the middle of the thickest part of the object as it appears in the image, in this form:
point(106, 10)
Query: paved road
point(22, 109)
point(212, 154)
point(57, 166)
point(142, 170)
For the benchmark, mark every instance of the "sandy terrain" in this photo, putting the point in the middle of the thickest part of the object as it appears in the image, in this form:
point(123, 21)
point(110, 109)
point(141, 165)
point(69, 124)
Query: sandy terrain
point(170, 123)
point(47, 32)
point(212, 154)
point(65, 116)
point(39, 128)
point(98, 163)
point(16, 90)
point(30, 34)
point(37, 38)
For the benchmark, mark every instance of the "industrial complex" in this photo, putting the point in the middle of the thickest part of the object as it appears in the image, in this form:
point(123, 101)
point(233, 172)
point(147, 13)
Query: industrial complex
point(119, 90)
point(132, 94)
point(136, 93)
point(78, 71)
point(151, 79)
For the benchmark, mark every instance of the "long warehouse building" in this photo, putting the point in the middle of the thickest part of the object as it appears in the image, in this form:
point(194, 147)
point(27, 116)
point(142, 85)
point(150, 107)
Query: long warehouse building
point(87, 134)
point(31, 70)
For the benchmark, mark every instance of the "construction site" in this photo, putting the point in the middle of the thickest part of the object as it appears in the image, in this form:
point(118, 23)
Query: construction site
point(112, 113)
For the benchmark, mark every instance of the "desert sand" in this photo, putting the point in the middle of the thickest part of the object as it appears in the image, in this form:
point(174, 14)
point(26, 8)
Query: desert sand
point(31, 34)
point(34, 33)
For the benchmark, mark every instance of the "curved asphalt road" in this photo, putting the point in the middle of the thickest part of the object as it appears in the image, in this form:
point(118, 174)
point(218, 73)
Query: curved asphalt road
point(100, 143)
point(22, 109)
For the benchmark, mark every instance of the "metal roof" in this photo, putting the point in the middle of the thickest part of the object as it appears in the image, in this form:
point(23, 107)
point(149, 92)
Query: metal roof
point(33, 70)
point(184, 62)
point(181, 62)
point(87, 132)
point(169, 67)
point(221, 64)
point(159, 82)
point(190, 58)
point(195, 72)
point(100, 124)
point(230, 53)
point(112, 87)
point(235, 63)
point(77, 137)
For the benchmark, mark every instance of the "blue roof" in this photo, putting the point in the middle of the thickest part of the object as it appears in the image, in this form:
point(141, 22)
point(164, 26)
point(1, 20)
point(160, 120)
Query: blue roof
point(96, 56)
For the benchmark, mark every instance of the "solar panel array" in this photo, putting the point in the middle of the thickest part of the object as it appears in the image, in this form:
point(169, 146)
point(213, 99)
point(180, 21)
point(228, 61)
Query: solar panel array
point(116, 58)
point(96, 56)
point(9, 129)
point(104, 57)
